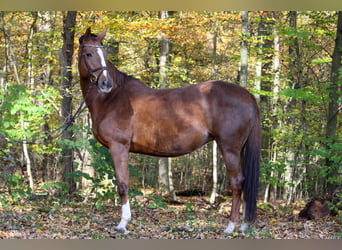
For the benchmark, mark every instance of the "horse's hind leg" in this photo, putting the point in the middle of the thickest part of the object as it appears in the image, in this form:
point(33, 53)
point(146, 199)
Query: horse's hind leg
point(232, 160)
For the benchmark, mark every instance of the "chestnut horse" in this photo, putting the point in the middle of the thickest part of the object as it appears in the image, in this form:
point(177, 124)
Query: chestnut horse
point(128, 116)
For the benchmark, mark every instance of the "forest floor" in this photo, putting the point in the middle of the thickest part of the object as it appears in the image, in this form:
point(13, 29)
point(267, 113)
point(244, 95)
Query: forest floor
point(153, 218)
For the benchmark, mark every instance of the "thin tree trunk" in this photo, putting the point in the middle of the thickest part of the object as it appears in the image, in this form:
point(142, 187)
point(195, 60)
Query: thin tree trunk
point(214, 156)
point(165, 180)
point(13, 62)
point(85, 157)
point(28, 54)
point(333, 109)
point(164, 53)
point(263, 82)
point(67, 53)
point(27, 157)
point(296, 81)
point(213, 61)
point(163, 174)
point(244, 49)
point(171, 187)
point(11, 55)
point(275, 100)
point(214, 190)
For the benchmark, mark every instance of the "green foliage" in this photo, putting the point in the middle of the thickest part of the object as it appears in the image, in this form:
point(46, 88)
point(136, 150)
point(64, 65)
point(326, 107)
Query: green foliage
point(267, 168)
point(158, 202)
point(103, 183)
point(24, 111)
point(190, 208)
point(18, 190)
point(307, 93)
point(53, 188)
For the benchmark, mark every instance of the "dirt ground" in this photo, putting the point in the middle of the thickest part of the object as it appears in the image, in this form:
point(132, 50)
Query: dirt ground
point(191, 218)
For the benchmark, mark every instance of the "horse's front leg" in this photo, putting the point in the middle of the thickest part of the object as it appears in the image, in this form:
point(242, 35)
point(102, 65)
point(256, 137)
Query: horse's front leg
point(120, 157)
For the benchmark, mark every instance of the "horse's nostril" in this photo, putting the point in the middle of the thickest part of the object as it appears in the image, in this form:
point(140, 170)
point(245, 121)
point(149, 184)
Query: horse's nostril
point(106, 86)
point(107, 83)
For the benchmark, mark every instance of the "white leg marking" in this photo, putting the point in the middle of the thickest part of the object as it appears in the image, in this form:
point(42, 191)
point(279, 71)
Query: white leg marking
point(103, 61)
point(125, 217)
point(243, 227)
point(230, 228)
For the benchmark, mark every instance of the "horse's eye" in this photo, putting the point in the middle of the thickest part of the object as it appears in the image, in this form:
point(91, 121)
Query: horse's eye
point(89, 54)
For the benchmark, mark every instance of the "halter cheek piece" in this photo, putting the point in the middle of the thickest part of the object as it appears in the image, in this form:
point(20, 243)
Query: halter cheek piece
point(93, 78)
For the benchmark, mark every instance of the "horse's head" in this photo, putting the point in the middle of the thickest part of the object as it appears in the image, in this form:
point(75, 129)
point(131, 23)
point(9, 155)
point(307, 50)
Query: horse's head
point(93, 61)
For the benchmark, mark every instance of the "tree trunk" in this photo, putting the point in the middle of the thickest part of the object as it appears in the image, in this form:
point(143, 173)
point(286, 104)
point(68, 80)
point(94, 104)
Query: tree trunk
point(263, 82)
point(69, 22)
point(84, 157)
point(165, 180)
point(12, 58)
point(274, 101)
point(27, 157)
point(163, 167)
point(164, 53)
point(244, 49)
point(214, 190)
point(10, 53)
point(289, 155)
point(171, 187)
point(333, 109)
point(296, 162)
point(30, 82)
point(214, 156)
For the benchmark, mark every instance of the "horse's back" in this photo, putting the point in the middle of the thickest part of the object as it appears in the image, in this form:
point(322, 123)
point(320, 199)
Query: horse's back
point(172, 122)
point(227, 100)
point(220, 90)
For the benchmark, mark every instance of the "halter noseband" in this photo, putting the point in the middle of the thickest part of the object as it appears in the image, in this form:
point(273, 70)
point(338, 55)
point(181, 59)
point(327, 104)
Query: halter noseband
point(93, 78)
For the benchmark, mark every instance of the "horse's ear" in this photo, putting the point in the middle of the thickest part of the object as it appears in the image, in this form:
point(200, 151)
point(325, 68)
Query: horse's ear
point(88, 32)
point(102, 35)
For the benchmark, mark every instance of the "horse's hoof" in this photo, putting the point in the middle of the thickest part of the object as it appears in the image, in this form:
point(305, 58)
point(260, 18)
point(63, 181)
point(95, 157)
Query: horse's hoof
point(228, 231)
point(243, 227)
point(230, 228)
point(121, 229)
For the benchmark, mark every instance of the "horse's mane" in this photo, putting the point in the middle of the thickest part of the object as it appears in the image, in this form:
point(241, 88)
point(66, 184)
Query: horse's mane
point(82, 37)
point(121, 77)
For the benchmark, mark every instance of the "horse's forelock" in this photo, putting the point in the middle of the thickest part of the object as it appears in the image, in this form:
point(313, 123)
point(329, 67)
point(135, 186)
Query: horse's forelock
point(81, 39)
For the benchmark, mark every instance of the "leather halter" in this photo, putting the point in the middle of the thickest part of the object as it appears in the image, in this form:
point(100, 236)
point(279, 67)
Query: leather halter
point(93, 78)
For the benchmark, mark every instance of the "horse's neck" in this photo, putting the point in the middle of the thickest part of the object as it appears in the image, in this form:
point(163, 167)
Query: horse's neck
point(89, 93)
point(134, 87)
point(85, 87)
point(126, 82)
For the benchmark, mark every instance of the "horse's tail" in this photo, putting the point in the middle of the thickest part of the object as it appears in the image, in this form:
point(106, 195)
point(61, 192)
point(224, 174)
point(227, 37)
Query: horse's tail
point(251, 168)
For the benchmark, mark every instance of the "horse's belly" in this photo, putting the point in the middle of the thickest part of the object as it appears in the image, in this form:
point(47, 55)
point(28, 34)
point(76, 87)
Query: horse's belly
point(160, 143)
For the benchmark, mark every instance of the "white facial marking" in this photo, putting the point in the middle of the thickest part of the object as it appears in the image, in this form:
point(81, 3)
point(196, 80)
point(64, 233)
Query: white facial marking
point(103, 60)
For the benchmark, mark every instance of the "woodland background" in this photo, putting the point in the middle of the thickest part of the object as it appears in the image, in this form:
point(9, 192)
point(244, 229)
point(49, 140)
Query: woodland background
point(290, 60)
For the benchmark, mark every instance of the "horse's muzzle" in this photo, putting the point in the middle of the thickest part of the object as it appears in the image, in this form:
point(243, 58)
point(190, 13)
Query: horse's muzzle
point(106, 85)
